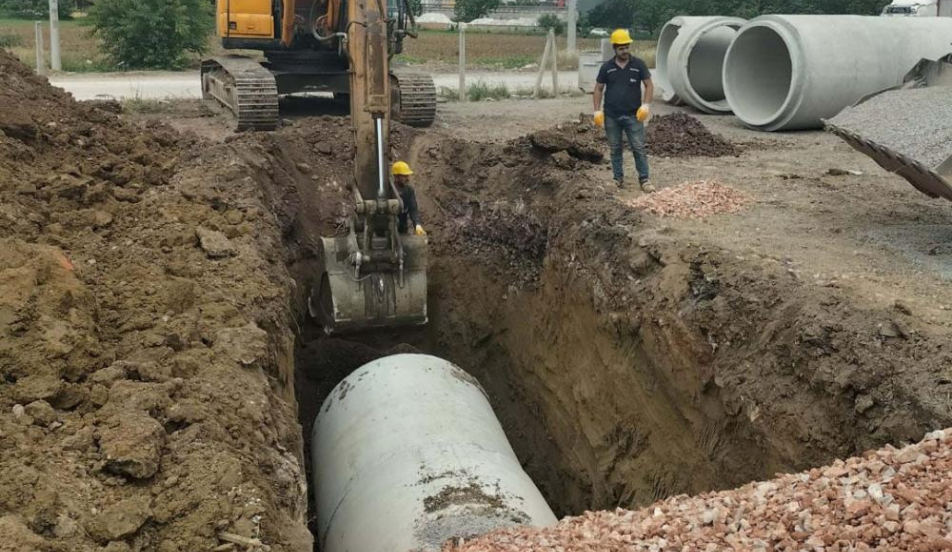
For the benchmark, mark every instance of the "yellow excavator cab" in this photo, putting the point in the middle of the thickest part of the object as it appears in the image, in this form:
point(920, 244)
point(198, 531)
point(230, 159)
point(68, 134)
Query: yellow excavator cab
point(245, 19)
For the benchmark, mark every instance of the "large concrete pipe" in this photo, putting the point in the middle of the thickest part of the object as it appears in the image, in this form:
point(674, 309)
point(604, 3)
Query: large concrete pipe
point(786, 72)
point(690, 60)
point(407, 454)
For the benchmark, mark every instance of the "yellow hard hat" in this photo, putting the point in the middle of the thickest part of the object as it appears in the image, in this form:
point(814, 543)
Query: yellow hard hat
point(620, 37)
point(401, 169)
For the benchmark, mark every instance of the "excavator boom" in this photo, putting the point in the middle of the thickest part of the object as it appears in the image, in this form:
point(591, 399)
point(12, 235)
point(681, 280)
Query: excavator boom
point(375, 276)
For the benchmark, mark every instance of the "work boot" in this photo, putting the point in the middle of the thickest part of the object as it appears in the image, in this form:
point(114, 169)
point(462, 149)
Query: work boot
point(646, 187)
point(620, 182)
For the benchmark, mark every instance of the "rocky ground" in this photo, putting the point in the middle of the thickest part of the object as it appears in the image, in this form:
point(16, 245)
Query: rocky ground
point(891, 499)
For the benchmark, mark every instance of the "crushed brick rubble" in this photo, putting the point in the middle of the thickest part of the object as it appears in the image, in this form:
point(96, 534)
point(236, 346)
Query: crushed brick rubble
point(692, 200)
point(888, 499)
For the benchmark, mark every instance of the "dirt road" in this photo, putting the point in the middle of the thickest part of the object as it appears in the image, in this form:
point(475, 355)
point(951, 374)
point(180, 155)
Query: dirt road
point(186, 85)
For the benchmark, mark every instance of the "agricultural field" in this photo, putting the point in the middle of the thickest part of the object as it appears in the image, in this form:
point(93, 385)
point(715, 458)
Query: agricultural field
point(80, 52)
point(434, 50)
point(494, 50)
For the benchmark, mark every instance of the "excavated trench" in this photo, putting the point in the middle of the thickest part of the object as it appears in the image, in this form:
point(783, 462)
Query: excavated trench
point(625, 365)
point(150, 315)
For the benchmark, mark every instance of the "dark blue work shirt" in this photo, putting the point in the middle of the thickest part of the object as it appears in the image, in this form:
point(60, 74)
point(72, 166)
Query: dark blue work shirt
point(410, 210)
point(623, 85)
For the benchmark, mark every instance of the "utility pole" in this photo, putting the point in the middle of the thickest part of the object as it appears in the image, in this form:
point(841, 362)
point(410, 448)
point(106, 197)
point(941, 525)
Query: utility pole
point(573, 16)
point(55, 61)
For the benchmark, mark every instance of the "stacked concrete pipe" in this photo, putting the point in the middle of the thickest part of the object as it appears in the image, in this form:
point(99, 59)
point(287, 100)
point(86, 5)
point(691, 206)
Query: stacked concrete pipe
point(788, 72)
point(690, 59)
point(407, 453)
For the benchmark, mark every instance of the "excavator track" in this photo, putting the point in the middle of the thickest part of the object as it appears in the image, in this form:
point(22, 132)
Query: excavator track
point(417, 99)
point(245, 87)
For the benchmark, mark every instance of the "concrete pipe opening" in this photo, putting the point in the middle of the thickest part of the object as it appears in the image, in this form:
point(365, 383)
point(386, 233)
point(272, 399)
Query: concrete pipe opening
point(696, 57)
point(669, 34)
point(758, 75)
point(706, 64)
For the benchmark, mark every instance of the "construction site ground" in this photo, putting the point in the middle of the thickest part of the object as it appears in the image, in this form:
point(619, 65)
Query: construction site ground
point(158, 375)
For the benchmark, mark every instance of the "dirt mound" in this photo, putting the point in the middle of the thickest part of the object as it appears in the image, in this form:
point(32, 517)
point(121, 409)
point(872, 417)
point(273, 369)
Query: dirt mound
point(509, 236)
point(681, 135)
point(692, 200)
point(888, 499)
point(145, 395)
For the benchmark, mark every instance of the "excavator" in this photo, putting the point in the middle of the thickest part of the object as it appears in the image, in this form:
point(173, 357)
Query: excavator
point(374, 276)
point(309, 46)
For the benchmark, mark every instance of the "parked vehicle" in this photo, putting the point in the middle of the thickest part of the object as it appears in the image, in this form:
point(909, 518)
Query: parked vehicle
point(918, 8)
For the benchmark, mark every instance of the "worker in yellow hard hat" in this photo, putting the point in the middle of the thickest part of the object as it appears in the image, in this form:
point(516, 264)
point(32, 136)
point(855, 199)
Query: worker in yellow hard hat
point(411, 210)
point(626, 110)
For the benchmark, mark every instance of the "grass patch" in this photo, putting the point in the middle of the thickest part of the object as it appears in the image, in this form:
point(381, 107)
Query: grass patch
point(510, 62)
point(409, 60)
point(480, 91)
point(448, 94)
point(145, 105)
point(9, 39)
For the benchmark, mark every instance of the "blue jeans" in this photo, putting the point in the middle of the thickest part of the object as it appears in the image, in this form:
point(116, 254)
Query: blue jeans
point(635, 131)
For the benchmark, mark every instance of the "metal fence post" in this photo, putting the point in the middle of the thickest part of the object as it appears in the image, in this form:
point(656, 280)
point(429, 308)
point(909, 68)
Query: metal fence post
point(555, 65)
point(573, 13)
point(40, 57)
point(543, 63)
point(55, 60)
point(462, 62)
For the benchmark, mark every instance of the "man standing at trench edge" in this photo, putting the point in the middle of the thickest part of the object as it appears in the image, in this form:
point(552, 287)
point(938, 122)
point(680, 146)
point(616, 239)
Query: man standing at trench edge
point(620, 79)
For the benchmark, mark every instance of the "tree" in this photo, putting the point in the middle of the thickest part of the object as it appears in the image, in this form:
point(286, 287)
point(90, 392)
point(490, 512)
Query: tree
point(614, 14)
point(152, 33)
point(468, 10)
point(551, 21)
point(36, 9)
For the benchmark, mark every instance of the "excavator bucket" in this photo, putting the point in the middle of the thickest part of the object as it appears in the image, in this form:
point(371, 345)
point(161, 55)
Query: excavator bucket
point(346, 301)
point(906, 129)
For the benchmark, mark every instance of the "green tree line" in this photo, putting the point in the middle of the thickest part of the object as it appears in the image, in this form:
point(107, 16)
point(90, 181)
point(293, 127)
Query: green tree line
point(35, 9)
point(650, 15)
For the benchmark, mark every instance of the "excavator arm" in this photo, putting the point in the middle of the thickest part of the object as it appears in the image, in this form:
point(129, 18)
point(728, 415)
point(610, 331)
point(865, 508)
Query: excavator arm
point(373, 277)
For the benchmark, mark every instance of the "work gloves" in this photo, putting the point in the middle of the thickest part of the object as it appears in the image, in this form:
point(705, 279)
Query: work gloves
point(643, 113)
point(599, 119)
point(420, 231)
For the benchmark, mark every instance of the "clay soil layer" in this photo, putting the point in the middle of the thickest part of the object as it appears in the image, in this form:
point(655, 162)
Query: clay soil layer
point(156, 370)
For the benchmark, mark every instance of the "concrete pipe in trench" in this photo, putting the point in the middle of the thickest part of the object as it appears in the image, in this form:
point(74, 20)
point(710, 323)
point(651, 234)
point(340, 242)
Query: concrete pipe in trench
point(787, 72)
point(690, 60)
point(407, 453)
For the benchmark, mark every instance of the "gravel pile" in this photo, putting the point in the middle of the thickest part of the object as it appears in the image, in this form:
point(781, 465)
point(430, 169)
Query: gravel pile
point(916, 123)
point(886, 500)
point(692, 200)
point(681, 135)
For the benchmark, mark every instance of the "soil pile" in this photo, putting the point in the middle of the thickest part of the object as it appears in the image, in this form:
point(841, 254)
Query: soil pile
point(681, 135)
point(887, 499)
point(692, 200)
point(508, 235)
point(145, 389)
